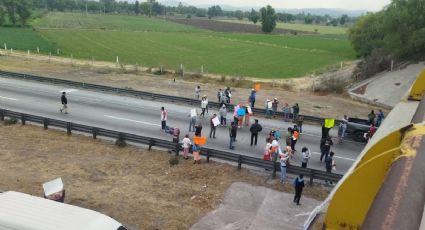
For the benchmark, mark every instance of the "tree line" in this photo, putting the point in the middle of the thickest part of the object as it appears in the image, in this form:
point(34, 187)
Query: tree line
point(398, 31)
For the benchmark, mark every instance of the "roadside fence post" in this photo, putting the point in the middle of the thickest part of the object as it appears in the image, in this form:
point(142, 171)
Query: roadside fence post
point(208, 156)
point(240, 162)
point(151, 143)
point(23, 119)
point(5, 47)
point(311, 177)
point(46, 123)
point(2, 115)
point(50, 55)
point(68, 128)
point(94, 132)
point(38, 49)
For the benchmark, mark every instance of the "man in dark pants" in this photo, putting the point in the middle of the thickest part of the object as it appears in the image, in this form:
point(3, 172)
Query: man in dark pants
point(163, 118)
point(232, 133)
point(329, 163)
point(255, 129)
point(299, 185)
point(212, 131)
point(325, 147)
point(64, 102)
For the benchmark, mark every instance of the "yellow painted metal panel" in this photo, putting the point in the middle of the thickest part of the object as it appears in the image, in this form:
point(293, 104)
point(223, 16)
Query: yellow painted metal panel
point(418, 87)
point(350, 204)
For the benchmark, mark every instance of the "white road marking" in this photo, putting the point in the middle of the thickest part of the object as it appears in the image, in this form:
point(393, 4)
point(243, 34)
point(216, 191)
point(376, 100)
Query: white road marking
point(69, 90)
point(345, 158)
point(130, 120)
point(9, 98)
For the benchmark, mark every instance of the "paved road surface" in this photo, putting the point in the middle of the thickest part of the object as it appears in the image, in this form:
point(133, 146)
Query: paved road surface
point(142, 117)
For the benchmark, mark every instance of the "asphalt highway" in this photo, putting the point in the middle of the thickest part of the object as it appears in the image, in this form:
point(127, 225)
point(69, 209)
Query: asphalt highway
point(132, 115)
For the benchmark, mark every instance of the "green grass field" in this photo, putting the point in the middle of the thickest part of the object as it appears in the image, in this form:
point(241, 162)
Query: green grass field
point(154, 42)
point(109, 22)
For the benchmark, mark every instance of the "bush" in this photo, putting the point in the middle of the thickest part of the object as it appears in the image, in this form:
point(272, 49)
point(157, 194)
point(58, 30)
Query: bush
point(174, 160)
point(11, 121)
point(120, 143)
point(378, 61)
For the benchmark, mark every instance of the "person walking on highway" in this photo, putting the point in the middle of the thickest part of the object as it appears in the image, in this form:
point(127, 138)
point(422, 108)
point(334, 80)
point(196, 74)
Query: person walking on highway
point(204, 105)
point(223, 100)
point(325, 147)
point(193, 118)
point(299, 185)
point(371, 117)
point(164, 116)
point(219, 94)
point(213, 126)
point(186, 145)
point(252, 97)
point(306, 154)
point(228, 94)
point(330, 164)
point(255, 129)
point(223, 115)
point(232, 134)
point(294, 138)
point(295, 111)
point(299, 122)
point(241, 112)
point(284, 157)
point(64, 102)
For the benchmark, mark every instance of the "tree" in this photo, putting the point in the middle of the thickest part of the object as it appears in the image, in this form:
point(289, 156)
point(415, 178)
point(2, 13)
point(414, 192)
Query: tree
point(343, 19)
point(268, 19)
point(239, 14)
point(11, 10)
point(214, 11)
point(253, 16)
point(137, 8)
point(23, 9)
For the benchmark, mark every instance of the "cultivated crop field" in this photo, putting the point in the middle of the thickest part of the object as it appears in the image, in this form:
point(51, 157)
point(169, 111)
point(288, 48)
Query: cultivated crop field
point(155, 42)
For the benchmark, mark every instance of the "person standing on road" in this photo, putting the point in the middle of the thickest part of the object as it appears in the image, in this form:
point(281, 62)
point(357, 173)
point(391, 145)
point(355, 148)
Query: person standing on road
point(252, 97)
point(294, 138)
point(371, 117)
point(193, 119)
point(286, 112)
point(284, 157)
point(186, 145)
point(380, 118)
point(295, 111)
point(268, 108)
point(306, 154)
point(228, 94)
point(204, 105)
point(330, 164)
point(275, 103)
point(223, 100)
point(195, 151)
point(299, 122)
point(223, 115)
point(64, 102)
point(232, 133)
point(219, 94)
point(164, 116)
point(213, 127)
point(342, 129)
point(325, 147)
point(198, 129)
point(255, 129)
point(299, 185)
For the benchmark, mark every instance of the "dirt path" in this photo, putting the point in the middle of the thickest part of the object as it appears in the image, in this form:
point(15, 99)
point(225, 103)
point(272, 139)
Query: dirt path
point(323, 105)
point(133, 185)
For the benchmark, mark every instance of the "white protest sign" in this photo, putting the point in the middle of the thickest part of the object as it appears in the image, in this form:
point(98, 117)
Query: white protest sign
point(249, 109)
point(215, 121)
point(53, 186)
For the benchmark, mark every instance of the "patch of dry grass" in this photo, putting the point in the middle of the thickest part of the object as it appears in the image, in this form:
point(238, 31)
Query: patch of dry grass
point(133, 185)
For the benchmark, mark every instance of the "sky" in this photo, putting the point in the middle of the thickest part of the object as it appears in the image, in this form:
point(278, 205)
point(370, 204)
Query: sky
point(369, 5)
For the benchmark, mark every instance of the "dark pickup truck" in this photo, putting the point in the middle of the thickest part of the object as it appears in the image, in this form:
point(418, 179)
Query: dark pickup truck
point(356, 128)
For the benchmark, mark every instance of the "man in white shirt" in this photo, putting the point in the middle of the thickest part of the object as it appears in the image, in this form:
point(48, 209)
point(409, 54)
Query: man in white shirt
point(163, 118)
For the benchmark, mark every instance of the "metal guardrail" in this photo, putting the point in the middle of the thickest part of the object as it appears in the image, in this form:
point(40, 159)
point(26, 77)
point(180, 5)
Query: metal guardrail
point(206, 152)
point(136, 93)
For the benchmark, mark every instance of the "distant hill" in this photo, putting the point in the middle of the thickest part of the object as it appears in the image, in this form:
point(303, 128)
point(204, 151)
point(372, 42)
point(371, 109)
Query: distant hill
point(316, 11)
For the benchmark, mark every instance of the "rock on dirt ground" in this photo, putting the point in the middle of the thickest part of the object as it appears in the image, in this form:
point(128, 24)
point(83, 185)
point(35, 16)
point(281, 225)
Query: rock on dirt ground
point(315, 104)
point(135, 186)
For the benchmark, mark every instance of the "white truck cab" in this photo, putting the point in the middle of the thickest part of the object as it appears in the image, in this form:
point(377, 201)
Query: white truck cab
point(20, 211)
